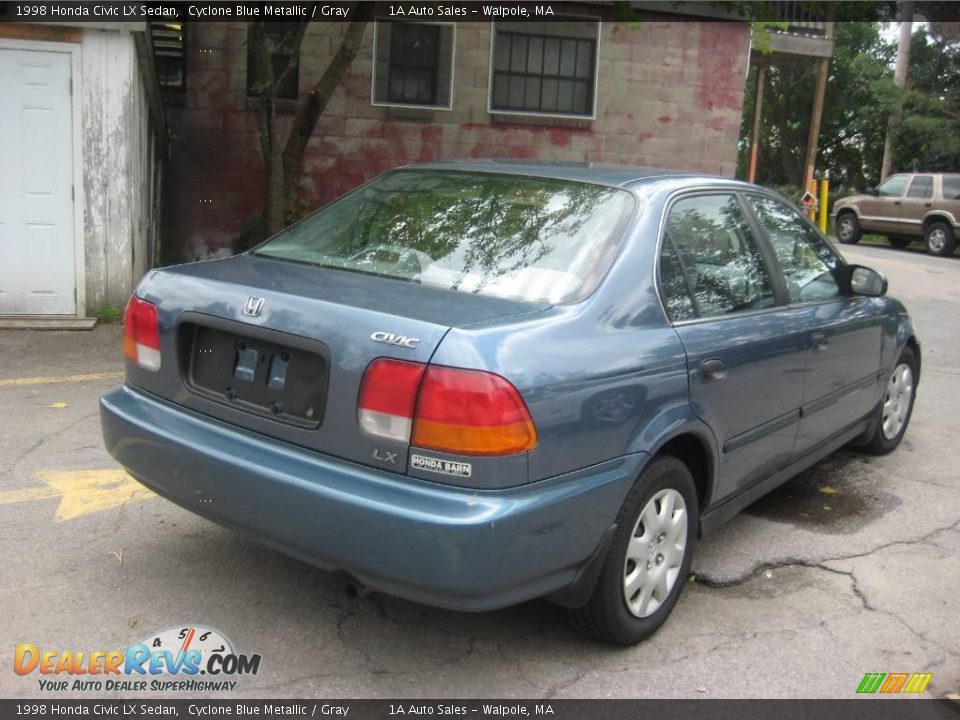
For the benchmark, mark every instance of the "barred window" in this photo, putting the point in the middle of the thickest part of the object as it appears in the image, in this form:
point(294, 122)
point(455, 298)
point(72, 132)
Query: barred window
point(543, 73)
point(413, 64)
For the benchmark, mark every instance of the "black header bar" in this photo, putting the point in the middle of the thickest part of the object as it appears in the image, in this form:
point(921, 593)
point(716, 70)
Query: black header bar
point(45, 11)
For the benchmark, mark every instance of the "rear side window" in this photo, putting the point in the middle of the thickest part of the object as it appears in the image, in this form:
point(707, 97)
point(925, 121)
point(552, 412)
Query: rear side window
point(808, 265)
point(718, 257)
point(951, 187)
point(677, 298)
point(510, 236)
point(921, 187)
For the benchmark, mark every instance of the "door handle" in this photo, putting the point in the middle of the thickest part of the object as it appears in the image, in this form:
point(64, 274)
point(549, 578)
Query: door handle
point(712, 371)
point(928, 204)
point(896, 202)
point(820, 341)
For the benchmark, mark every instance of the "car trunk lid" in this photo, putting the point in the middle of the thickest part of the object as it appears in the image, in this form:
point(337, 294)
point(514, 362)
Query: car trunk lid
point(280, 348)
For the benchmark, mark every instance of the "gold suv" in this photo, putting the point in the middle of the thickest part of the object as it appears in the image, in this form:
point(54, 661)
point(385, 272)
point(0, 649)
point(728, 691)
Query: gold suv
point(905, 207)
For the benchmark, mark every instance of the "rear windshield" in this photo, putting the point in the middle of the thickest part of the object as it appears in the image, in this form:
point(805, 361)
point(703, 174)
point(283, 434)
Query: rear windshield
point(509, 236)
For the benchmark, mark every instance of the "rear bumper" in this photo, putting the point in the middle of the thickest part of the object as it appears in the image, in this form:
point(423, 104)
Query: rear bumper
point(440, 545)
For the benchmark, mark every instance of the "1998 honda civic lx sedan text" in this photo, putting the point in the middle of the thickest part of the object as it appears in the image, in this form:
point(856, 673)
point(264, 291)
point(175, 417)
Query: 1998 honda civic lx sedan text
point(473, 384)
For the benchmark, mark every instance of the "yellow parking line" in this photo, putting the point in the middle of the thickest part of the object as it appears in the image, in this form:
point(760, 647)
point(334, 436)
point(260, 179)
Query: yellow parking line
point(81, 492)
point(50, 380)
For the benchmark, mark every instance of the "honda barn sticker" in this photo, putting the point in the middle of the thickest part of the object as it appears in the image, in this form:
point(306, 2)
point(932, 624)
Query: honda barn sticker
point(444, 467)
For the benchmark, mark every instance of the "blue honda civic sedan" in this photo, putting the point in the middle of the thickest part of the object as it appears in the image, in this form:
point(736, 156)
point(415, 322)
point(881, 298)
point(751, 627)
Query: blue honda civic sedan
point(473, 384)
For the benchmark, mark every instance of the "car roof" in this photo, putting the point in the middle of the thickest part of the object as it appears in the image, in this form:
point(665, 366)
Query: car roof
point(606, 174)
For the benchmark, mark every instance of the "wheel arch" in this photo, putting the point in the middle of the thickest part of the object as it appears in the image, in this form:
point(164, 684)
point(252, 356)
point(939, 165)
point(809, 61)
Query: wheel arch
point(914, 345)
point(939, 216)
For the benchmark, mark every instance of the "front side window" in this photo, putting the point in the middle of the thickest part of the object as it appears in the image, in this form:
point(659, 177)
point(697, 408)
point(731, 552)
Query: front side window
point(544, 73)
point(809, 267)
point(510, 236)
point(892, 186)
point(921, 187)
point(413, 64)
point(721, 261)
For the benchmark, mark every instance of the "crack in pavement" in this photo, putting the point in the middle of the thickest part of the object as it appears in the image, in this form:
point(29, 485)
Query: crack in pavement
point(858, 592)
point(714, 584)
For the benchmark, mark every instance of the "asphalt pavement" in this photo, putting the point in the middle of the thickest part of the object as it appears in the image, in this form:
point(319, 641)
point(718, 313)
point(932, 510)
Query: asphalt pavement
point(853, 567)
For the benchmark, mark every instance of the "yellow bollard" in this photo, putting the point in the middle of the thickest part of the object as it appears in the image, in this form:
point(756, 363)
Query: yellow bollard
point(824, 196)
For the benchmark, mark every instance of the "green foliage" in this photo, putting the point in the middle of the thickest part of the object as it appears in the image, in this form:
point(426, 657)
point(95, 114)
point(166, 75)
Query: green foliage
point(860, 98)
point(109, 314)
point(856, 108)
point(251, 234)
point(929, 133)
point(761, 34)
point(297, 205)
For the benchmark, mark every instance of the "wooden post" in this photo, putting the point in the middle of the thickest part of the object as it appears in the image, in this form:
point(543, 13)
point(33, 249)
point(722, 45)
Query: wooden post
point(817, 113)
point(757, 109)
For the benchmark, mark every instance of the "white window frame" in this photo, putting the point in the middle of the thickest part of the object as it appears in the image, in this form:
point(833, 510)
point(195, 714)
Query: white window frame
point(373, 69)
point(532, 113)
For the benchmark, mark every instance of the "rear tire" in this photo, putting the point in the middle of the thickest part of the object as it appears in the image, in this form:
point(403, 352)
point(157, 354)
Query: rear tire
point(649, 558)
point(848, 228)
point(895, 409)
point(939, 239)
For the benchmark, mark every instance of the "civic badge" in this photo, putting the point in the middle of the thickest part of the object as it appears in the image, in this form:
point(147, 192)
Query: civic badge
point(253, 306)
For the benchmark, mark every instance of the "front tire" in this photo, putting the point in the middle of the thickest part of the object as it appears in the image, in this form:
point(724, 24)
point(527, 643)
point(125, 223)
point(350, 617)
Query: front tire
point(649, 558)
point(848, 228)
point(896, 408)
point(939, 239)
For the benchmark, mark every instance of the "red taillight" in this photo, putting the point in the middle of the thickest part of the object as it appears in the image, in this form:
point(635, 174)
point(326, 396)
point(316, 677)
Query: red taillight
point(462, 412)
point(387, 397)
point(470, 412)
point(141, 333)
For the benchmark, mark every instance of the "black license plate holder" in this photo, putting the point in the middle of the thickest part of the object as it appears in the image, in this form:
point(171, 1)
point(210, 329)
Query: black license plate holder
point(261, 371)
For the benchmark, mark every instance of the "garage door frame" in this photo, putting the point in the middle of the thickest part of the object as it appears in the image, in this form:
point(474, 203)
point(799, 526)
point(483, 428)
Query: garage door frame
point(76, 130)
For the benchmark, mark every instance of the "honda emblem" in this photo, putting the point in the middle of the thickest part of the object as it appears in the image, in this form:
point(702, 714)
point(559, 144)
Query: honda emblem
point(253, 307)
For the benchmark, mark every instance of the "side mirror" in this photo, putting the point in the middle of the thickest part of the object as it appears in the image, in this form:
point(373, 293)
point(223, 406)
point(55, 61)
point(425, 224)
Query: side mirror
point(872, 191)
point(866, 281)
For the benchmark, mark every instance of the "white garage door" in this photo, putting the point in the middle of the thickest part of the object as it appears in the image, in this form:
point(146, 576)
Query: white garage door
point(37, 274)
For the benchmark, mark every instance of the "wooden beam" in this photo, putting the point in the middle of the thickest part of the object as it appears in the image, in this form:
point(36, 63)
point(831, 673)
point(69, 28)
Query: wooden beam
point(50, 33)
point(816, 115)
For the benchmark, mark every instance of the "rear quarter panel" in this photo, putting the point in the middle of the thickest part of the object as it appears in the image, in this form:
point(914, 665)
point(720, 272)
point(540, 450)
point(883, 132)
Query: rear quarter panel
point(602, 378)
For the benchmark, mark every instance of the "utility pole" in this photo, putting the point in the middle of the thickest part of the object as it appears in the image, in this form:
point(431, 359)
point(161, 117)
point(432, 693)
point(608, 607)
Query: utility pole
point(817, 113)
point(900, 80)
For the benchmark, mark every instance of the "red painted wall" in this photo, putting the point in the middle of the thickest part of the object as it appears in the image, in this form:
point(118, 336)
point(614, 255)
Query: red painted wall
point(669, 95)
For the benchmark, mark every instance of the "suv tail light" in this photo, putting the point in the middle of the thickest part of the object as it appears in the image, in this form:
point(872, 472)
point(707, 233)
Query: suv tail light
point(462, 412)
point(141, 333)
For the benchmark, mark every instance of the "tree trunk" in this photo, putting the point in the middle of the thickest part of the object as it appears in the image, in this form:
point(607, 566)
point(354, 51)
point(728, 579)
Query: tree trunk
point(283, 161)
point(310, 110)
point(900, 79)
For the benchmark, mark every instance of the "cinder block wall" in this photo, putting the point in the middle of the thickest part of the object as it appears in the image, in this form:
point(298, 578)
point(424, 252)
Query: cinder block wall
point(669, 94)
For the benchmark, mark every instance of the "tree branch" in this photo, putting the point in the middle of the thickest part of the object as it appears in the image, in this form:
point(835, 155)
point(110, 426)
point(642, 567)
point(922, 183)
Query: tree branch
point(312, 107)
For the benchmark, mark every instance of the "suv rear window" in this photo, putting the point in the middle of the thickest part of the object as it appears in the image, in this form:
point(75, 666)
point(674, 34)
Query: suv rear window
point(951, 187)
point(511, 236)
